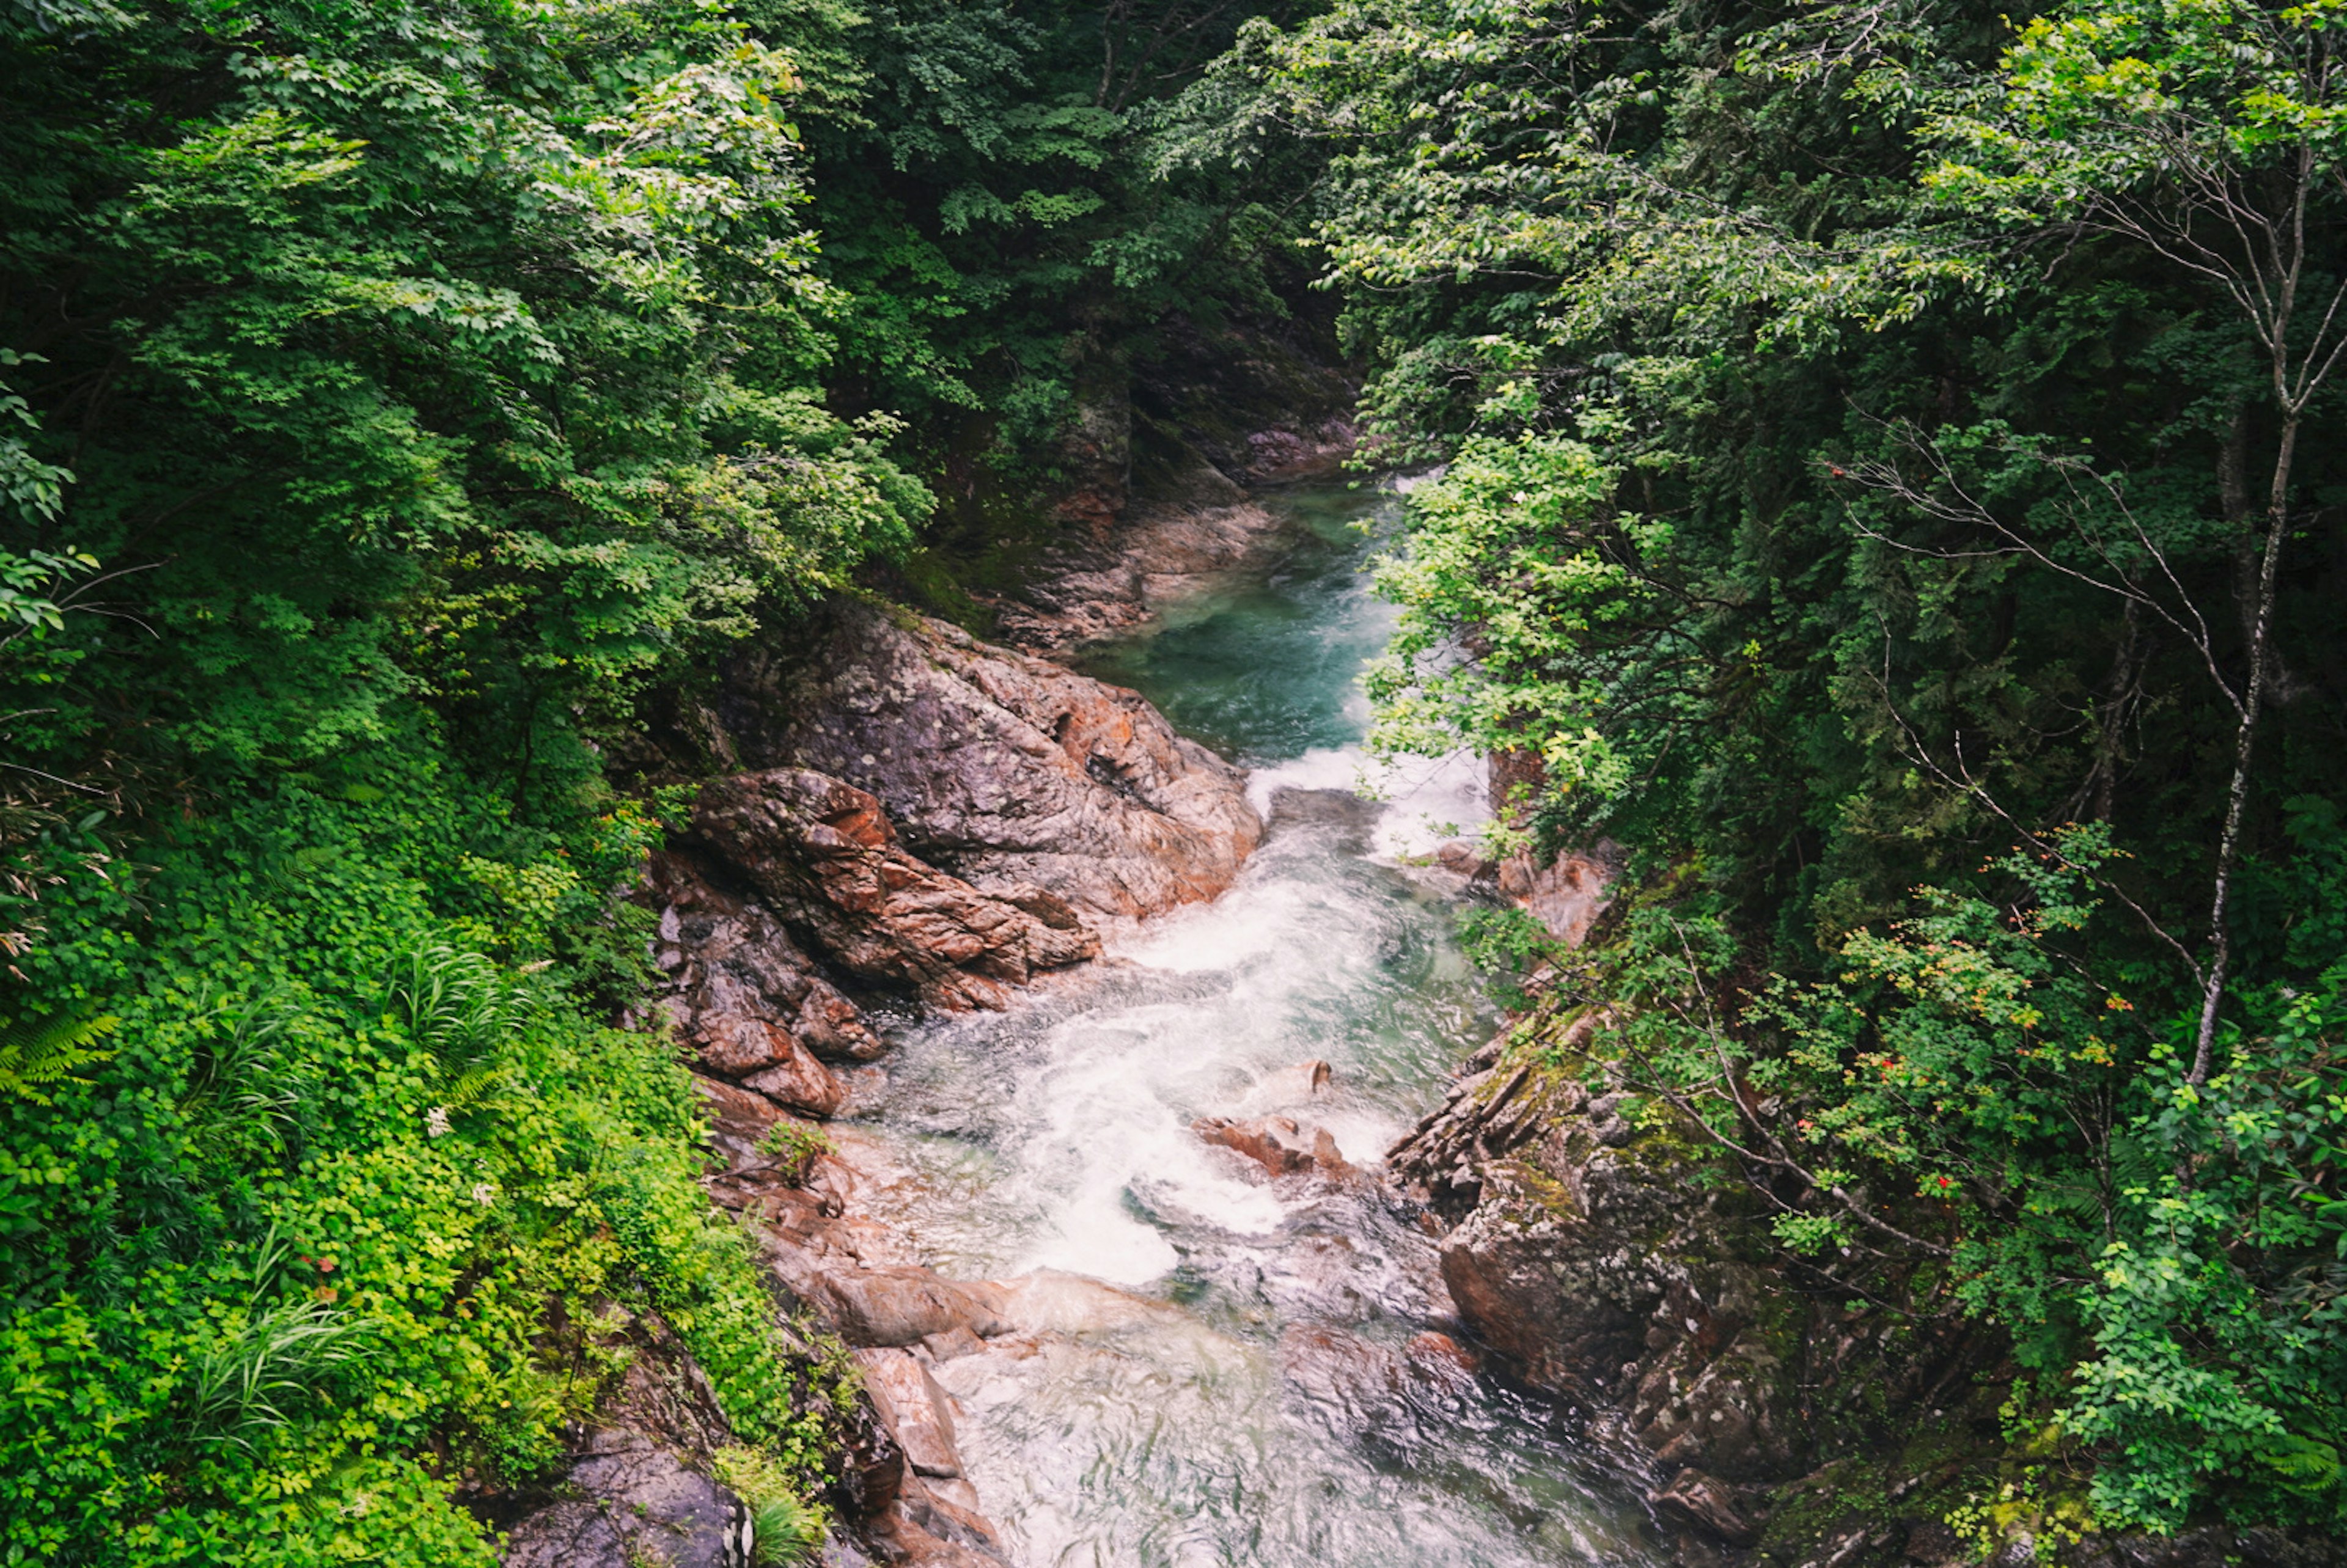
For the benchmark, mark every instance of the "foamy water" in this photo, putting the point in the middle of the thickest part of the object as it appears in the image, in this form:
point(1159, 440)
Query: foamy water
point(1234, 1389)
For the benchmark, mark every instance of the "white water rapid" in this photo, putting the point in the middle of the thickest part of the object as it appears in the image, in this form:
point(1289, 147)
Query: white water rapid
point(1225, 1372)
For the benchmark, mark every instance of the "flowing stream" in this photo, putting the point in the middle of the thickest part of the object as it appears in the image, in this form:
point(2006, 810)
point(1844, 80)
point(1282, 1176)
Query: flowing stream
point(1259, 1387)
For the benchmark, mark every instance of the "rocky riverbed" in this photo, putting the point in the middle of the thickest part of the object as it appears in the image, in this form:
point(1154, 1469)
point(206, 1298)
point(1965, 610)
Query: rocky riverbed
point(1153, 955)
point(1181, 1198)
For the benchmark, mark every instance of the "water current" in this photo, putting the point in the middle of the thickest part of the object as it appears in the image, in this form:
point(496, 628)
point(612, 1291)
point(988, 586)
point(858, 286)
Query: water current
point(1258, 1387)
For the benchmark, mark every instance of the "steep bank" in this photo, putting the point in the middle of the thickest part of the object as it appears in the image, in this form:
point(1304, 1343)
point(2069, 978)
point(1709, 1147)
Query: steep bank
point(1002, 812)
point(1157, 489)
point(1611, 1257)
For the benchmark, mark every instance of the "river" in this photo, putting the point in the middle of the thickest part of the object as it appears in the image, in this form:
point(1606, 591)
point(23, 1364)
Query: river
point(1261, 1389)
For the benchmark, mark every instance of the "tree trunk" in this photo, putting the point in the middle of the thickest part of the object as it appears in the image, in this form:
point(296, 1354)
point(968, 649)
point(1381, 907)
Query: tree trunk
point(2228, 847)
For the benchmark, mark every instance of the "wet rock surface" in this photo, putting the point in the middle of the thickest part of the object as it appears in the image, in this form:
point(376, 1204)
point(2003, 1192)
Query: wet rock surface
point(919, 1412)
point(1710, 1504)
point(824, 856)
point(1280, 1144)
point(1000, 769)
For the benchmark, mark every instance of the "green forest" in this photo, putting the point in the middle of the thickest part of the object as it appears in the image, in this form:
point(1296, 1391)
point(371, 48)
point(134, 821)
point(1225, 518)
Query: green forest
point(1889, 480)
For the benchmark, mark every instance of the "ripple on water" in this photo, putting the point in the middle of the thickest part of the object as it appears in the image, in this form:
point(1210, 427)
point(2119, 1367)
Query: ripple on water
point(1252, 1384)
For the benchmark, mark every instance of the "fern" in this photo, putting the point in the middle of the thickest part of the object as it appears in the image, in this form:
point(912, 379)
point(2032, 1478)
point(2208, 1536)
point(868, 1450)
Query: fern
point(38, 1051)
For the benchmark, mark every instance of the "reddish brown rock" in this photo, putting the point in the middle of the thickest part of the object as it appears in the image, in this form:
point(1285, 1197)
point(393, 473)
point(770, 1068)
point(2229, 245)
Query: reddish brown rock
point(1442, 1360)
point(926, 1529)
point(1280, 1144)
point(899, 1307)
point(1565, 895)
point(745, 1001)
point(739, 1120)
point(825, 856)
point(919, 1412)
point(1004, 770)
point(731, 960)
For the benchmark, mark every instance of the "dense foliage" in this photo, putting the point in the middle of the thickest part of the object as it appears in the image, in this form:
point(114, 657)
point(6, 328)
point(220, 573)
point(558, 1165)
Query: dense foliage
point(396, 399)
point(396, 394)
point(1881, 494)
point(357, 1204)
point(1887, 488)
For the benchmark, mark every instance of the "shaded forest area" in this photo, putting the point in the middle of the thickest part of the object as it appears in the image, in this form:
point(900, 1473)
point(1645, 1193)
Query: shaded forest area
point(1892, 495)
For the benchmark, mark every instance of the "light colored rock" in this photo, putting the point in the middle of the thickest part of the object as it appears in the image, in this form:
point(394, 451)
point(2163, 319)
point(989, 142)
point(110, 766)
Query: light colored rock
point(999, 767)
point(958, 1492)
point(888, 1306)
point(826, 859)
point(919, 1412)
point(1047, 1301)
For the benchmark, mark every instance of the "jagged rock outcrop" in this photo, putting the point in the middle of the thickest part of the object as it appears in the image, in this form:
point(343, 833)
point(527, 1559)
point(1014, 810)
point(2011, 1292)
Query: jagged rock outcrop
point(1001, 769)
point(1585, 1245)
point(744, 1000)
point(1567, 1222)
point(1280, 1144)
point(824, 857)
point(1565, 893)
point(636, 1486)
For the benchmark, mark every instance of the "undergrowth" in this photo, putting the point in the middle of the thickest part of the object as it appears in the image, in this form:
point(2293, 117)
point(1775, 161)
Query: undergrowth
point(290, 1238)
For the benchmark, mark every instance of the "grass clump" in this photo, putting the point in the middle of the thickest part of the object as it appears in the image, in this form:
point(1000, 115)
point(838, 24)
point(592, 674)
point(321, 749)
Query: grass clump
point(786, 1528)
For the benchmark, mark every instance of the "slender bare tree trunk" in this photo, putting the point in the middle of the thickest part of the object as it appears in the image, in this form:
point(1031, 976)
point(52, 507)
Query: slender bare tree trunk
point(2228, 847)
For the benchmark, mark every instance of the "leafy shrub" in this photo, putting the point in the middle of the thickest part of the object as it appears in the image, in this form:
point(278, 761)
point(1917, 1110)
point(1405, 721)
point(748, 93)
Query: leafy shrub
point(1970, 1118)
point(793, 1147)
point(335, 1204)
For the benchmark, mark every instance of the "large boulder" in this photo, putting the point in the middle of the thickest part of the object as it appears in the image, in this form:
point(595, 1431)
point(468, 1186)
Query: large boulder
point(1006, 770)
point(744, 994)
point(1586, 1250)
point(825, 856)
